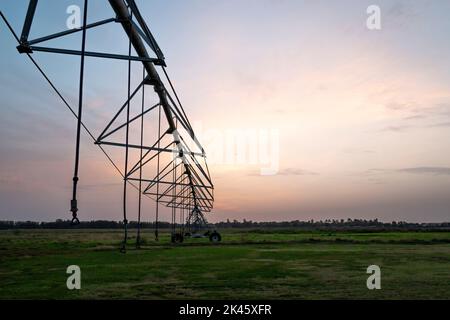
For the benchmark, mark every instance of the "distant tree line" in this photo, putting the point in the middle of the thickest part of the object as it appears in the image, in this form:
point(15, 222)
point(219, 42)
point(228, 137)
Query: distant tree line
point(336, 224)
point(66, 224)
point(328, 224)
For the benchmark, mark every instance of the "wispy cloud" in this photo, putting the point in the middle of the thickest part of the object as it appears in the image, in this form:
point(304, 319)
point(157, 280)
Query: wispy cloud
point(289, 172)
point(425, 170)
point(296, 172)
point(433, 117)
point(404, 128)
point(397, 128)
point(358, 151)
point(415, 117)
point(99, 185)
point(439, 125)
point(436, 111)
point(10, 178)
point(397, 106)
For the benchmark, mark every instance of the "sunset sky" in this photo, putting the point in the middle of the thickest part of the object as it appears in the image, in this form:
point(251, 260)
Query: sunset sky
point(363, 116)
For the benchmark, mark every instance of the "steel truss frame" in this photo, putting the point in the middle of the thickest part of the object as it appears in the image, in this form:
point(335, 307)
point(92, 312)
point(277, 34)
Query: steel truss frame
point(183, 184)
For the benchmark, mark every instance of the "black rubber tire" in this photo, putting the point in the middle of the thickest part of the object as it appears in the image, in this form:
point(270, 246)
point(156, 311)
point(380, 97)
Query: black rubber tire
point(177, 238)
point(215, 237)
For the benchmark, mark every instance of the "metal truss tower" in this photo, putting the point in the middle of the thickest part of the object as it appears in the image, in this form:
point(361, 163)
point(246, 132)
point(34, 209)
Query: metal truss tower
point(178, 175)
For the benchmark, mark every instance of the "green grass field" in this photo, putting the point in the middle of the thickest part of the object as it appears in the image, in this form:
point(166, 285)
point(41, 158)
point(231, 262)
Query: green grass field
point(282, 264)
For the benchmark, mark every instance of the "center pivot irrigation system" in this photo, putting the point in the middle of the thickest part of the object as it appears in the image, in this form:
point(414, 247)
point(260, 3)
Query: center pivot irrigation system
point(172, 169)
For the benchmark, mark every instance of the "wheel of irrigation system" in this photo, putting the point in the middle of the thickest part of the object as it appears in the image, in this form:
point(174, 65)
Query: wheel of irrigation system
point(215, 237)
point(177, 238)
